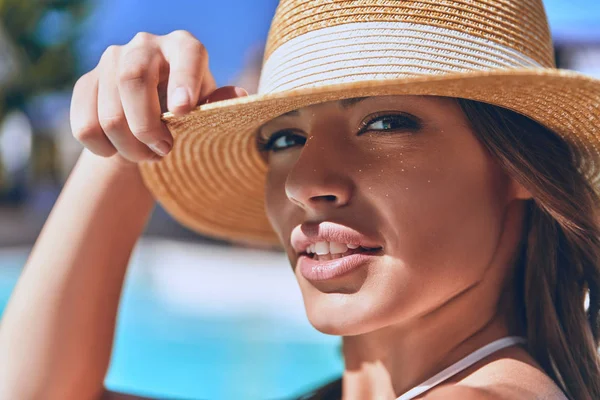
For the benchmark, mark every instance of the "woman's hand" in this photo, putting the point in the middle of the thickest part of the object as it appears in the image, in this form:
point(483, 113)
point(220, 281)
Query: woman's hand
point(58, 327)
point(116, 107)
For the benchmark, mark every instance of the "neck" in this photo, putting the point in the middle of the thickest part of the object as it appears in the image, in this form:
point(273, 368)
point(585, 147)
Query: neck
point(387, 363)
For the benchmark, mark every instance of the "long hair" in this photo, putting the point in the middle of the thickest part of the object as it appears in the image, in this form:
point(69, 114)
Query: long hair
point(559, 265)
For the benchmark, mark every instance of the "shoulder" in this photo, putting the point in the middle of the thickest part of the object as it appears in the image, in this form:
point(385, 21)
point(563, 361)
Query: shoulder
point(461, 392)
point(510, 376)
point(492, 392)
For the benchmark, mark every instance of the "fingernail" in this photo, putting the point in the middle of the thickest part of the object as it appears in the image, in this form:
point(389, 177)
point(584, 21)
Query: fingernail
point(241, 92)
point(161, 148)
point(180, 97)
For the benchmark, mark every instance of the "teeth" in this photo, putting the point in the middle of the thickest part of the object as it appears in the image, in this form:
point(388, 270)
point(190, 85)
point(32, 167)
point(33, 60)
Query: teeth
point(322, 248)
point(337, 248)
point(334, 249)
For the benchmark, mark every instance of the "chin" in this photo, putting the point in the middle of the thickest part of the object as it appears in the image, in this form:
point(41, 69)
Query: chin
point(341, 314)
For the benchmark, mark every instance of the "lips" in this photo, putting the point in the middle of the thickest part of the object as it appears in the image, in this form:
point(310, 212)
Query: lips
point(328, 250)
point(307, 234)
point(321, 270)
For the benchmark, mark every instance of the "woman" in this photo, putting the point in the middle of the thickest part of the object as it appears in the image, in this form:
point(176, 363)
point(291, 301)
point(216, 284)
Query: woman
point(450, 241)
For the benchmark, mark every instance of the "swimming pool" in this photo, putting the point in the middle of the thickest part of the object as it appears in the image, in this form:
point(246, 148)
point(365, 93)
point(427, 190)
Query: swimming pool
point(203, 321)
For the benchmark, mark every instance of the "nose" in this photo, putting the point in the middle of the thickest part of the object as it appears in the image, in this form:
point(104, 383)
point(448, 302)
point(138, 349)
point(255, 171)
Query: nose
point(317, 181)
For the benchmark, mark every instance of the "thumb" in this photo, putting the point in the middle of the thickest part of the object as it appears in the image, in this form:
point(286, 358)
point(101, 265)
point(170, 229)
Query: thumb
point(224, 93)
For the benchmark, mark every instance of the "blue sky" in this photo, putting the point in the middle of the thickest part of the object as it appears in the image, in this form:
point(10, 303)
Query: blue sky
point(229, 28)
point(574, 20)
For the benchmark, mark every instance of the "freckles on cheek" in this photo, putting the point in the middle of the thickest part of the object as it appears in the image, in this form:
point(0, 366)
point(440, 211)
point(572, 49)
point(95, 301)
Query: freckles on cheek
point(439, 209)
point(407, 202)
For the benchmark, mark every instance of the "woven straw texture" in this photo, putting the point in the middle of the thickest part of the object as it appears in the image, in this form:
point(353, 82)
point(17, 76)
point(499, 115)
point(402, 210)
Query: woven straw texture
point(519, 24)
point(213, 179)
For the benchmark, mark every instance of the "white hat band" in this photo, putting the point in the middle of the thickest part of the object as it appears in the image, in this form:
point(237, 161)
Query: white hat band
point(365, 51)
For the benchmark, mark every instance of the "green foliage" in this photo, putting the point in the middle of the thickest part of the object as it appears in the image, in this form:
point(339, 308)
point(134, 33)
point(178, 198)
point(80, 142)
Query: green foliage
point(42, 34)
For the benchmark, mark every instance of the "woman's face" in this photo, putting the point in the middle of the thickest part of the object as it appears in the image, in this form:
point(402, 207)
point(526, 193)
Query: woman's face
point(406, 178)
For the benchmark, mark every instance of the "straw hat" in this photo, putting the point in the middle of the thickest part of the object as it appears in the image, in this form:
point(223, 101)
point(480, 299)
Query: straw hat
point(494, 51)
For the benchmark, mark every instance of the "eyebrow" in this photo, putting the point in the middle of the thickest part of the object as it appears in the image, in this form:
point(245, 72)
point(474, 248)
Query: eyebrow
point(344, 103)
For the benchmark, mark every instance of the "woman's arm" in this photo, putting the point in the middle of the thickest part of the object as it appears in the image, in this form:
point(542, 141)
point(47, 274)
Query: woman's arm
point(56, 334)
point(57, 331)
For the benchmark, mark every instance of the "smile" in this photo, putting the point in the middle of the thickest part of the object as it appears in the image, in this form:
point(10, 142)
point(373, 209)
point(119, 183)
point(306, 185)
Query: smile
point(326, 251)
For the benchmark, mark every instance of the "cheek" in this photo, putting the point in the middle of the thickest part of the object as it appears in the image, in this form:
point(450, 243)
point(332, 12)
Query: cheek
point(443, 218)
point(455, 218)
point(277, 205)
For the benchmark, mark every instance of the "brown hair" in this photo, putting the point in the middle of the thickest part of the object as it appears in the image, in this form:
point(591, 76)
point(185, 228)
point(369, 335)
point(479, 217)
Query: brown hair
point(560, 258)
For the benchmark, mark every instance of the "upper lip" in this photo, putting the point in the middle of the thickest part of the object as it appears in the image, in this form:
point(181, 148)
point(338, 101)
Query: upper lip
point(310, 233)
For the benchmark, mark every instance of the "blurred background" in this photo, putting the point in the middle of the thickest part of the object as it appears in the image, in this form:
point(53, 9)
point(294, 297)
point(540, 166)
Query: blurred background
point(186, 328)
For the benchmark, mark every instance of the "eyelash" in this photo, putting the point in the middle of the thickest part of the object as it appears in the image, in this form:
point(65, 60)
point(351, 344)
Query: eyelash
point(408, 122)
point(265, 144)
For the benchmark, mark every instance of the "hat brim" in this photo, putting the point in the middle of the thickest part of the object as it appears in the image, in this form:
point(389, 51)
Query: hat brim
point(213, 180)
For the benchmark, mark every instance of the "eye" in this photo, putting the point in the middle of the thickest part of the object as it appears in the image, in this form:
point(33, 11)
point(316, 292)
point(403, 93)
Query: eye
point(281, 140)
point(391, 122)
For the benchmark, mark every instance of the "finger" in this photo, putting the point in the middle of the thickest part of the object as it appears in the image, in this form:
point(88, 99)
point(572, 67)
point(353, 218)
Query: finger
point(189, 75)
point(225, 93)
point(84, 116)
point(209, 85)
point(112, 116)
point(139, 67)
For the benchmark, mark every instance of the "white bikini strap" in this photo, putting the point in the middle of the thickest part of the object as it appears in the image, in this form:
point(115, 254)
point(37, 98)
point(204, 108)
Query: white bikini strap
point(461, 365)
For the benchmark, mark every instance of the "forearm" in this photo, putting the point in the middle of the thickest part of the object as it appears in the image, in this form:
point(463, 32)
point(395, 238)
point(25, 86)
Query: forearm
point(57, 331)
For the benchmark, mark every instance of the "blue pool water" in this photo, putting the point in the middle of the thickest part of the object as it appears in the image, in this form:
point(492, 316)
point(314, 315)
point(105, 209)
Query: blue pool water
point(209, 323)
